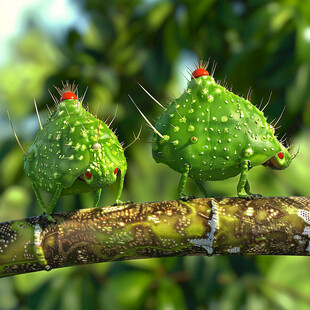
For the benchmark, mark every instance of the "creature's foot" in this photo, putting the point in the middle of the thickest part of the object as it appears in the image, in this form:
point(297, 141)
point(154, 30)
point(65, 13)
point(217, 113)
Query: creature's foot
point(256, 195)
point(49, 217)
point(119, 202)
point(249, 196)
point(186, 198)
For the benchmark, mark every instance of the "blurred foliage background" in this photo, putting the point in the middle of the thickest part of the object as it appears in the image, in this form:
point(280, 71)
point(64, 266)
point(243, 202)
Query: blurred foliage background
point(110, 46)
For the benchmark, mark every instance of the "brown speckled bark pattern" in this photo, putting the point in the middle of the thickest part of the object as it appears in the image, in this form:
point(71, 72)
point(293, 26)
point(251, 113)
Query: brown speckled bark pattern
point(225, 226)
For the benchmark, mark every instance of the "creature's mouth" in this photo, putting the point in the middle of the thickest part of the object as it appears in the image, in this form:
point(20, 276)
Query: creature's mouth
point(81, 177)
point(273, 164)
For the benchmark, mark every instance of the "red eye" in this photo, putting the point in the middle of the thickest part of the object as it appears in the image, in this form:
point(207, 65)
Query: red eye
point(199, 72)
point(68, 95)
point(281, 155)
point(88, 175)
point(115, 170)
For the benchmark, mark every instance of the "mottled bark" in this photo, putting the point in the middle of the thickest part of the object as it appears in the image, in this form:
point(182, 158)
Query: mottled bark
point(225, 226)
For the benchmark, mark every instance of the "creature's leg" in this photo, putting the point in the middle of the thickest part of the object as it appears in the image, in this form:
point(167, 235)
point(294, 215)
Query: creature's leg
point(242, 182)
point(247, 189)
point(38, 196)
point(97, 198)
point(52, 205)
point(119, 190)
point(182, 182)
point(50, 208)
point(201, 187)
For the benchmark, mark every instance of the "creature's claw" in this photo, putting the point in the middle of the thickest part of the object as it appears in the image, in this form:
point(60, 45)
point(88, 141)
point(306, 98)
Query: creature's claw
point(186, 198)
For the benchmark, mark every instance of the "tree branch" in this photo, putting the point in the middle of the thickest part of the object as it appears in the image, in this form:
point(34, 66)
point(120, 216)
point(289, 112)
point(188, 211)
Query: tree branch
point(225, 226)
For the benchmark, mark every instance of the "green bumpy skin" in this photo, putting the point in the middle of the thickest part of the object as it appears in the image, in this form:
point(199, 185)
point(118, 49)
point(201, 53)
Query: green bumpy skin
point(209, 133)
point(74, 153)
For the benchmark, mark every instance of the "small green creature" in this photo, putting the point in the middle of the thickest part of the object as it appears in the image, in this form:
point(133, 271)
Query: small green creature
point(74, 152)
point(211, 134)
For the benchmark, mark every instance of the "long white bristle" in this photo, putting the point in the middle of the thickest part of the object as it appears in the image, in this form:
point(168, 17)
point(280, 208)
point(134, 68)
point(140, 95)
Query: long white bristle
point(150, 124)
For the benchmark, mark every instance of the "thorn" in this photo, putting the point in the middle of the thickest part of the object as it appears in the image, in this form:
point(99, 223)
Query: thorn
point(84, 129)
point(154, 129)
point(196, 64)
point(178, 112)
point(67, 110)
point(190, 70)
point(260, 104)
point(36, 107)
point(183, 74)
point(82, 98)
point(67, 87)
point(56, 101)
point(113, 116)
point(48, 108)
point(206, 65)
point(290, 142)
point(106, 120)
point(20, 145)
point(279, 117)
point(267, 102)
point(248, 96)
point(151, 96)
point(200, 63)
point(213, 68)
point(58, 89)
point(96, 111)
point(297, 152)
point(283, 138)
point(135, 139)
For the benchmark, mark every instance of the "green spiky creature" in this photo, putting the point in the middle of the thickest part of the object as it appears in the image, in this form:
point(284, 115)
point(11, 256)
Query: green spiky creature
point(74, 152)
point(211, 134)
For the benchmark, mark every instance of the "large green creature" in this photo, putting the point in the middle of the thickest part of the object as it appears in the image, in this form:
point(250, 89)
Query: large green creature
point(74, 152)
point(211, 134)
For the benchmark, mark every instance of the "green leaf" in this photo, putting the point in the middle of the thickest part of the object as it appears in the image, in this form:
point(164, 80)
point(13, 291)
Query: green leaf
point(158, 15)
point(126, 291)
point(28, 283)
point(303, 41)
point(287, 282)
point(7, 296)
point(232, 296)
point(169, 295)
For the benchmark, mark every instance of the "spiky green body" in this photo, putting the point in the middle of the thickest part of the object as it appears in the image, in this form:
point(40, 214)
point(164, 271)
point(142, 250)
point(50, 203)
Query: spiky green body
point(211, 133)
point(70, 144)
